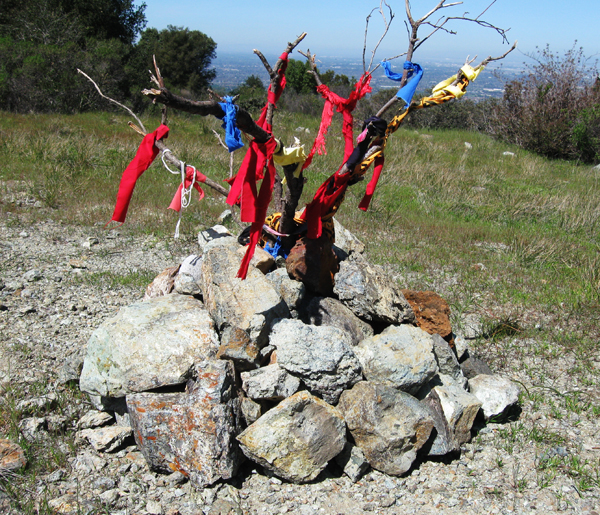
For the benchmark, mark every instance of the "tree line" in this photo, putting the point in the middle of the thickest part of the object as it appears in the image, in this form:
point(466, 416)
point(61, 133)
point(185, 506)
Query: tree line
point(43, 42)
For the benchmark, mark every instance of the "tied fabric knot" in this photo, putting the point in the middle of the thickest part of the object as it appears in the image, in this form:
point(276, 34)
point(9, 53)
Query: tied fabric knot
point(144, 157)
point(233, 136)
point(446, 85)
point(192, 177)
point(415, 74)
point(335, 186)
point(344, 106)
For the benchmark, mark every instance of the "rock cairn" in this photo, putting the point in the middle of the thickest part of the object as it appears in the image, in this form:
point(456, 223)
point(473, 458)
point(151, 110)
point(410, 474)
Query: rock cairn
point(209, 370)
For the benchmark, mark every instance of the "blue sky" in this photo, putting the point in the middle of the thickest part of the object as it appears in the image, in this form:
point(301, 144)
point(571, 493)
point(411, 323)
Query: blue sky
point(337, 27)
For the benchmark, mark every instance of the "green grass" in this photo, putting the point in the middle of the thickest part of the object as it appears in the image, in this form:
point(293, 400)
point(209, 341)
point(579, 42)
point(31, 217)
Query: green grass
point(512, 239)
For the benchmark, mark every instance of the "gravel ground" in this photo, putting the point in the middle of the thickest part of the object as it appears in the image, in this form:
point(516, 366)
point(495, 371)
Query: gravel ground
point(58, 283)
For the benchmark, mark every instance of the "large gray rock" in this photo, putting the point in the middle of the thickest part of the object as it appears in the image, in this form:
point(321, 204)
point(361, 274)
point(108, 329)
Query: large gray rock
point(321, 356)
point(388, 425)
point(291, 291)
point(371, 293)
point(401, 356)
point(193, 432)
point(271, 383)
point(239, 306)
point(328, 311)
point(497, 394)
point(147, 345)
point(460, 407)
point(297, 438)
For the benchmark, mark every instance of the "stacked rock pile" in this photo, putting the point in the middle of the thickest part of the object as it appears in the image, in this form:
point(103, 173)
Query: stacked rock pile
point(209, 370)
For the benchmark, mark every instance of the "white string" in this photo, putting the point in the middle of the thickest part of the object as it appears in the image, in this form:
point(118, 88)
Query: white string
point(186, 193)
point(175, 172)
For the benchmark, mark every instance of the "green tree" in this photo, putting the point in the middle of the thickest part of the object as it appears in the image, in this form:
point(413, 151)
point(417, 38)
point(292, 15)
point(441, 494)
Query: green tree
point(107, 19)
point(298, 79)
point(252, 94)
point(184, 57)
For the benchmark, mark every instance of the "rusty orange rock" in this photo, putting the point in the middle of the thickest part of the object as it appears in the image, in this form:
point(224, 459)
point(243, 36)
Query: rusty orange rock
point(432, 313)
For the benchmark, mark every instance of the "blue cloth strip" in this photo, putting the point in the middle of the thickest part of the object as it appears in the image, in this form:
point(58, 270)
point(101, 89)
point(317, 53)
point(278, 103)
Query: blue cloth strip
point(233, 136)
point(407, 92)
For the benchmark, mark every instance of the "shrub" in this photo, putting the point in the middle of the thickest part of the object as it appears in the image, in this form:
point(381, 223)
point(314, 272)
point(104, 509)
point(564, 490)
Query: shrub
point(553, 109)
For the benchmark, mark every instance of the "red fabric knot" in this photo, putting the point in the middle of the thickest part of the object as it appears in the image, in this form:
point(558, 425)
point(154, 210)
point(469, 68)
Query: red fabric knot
point(344, 106)
point(189, 176)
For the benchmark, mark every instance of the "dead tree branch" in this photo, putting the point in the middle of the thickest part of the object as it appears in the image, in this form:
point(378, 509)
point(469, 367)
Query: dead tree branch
point(414, 41)
point(169, 156)
point(274, 73)
point(113, 100)
point(386, 26)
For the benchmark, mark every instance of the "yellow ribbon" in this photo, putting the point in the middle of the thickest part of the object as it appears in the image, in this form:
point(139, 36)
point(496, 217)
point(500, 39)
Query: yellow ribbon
point(289, 156)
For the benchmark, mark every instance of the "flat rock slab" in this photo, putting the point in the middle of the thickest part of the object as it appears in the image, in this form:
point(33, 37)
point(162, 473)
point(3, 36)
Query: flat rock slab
point(147, 345)
point(106, 439)
point(371, 293)
point(12, 457)
point(388, 425)
point(193, 432)
point(296, 439)
point(321, 356)
point(401, 356)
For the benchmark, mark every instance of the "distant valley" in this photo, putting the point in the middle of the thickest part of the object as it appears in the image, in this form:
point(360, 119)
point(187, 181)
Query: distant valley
point(233, 69)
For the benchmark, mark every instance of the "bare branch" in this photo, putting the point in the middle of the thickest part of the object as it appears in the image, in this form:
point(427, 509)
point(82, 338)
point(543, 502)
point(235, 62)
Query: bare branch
point(441, 5)
point(482, 23)
point(158, 143)
point(136, 129)
point(205, 108)
point(159, 79)
point(312, 60)
point(386, 25)
point(218, 136)
point(265, 63)
point(485, 10)
point(489, 59)
point(112, 100)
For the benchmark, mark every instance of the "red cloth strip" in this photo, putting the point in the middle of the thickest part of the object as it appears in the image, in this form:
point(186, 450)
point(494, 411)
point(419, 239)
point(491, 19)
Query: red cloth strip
point(189, 174)
point(257, 164)
point(378, 167)
point(146, 153)
point(344, 106)
point(323, 202)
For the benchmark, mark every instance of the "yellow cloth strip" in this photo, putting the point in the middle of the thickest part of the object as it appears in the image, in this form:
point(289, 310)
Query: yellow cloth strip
point(289, 156)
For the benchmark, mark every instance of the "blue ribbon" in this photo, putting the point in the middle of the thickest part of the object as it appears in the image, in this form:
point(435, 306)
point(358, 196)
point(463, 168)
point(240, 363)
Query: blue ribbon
point(406, 93)
point(276, 249)
point(233, 136)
